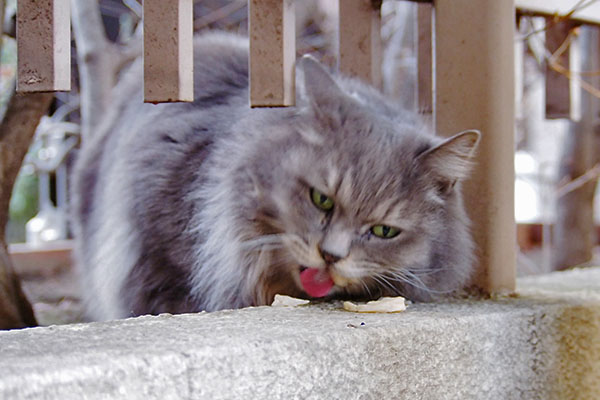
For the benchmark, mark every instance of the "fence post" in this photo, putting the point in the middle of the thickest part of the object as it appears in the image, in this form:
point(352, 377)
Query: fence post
point(168, 51)
point(474, 89)
point(43, 45)
point(360, 40)
point(272, 53)
point(574, 228)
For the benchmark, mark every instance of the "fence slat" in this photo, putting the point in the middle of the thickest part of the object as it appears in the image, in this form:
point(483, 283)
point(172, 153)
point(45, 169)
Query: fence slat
point(424, 58)
point(168, 51)
point(272, 53)
point(474, 89)
point(43, 45)
point(558, 86)
point(360, 40)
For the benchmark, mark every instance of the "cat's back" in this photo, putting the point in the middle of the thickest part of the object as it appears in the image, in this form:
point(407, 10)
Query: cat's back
point(127, 183)
point(220, 77)
point(131, 126)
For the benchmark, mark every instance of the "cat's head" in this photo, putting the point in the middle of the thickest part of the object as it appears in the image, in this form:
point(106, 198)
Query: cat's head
point(353, 198)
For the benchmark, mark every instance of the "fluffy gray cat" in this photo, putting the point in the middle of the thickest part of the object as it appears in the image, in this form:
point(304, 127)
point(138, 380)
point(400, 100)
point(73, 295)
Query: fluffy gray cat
point(214, 205)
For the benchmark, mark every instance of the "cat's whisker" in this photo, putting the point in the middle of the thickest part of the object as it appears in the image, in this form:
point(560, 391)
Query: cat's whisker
point(416, 277)
point(402, 277)
point(405, 276)
point(428, 271)
point(364, 285)
point(423, 285)
point(302, 244)
point(395, 277)
point(383, 281)
point(370, 266)
point(274, 239)
point(267, 247)
point(298, 246)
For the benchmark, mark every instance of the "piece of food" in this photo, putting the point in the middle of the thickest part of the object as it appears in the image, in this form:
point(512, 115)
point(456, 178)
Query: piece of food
point(287, 301)
point(383, 305)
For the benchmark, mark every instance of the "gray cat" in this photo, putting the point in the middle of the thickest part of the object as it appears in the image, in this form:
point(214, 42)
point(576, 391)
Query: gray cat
point(214, 205)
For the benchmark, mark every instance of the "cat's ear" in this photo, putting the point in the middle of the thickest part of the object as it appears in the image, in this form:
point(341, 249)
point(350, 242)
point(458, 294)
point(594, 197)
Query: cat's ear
point(451, 160)
point(319, 86)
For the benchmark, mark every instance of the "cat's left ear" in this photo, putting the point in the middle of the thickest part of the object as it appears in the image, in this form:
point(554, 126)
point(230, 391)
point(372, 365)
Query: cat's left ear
point(319, 85)
point(451, 160)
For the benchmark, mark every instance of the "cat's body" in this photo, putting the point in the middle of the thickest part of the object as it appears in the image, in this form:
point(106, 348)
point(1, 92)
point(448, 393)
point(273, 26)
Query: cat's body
point(212, 205)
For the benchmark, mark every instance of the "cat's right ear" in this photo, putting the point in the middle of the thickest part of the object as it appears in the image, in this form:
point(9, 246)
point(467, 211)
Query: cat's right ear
point(319, 86)
point(451, 160)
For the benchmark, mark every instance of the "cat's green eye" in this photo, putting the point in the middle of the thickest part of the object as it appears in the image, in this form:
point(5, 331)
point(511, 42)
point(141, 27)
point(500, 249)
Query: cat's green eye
point(323, 202)
point(384, 231)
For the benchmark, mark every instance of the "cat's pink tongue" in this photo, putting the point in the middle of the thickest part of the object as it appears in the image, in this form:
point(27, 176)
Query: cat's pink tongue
point(316, 283)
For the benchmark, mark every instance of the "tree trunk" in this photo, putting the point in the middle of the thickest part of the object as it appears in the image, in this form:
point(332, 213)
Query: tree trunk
point(16, 131)
point(99, 62)
point(574, 236)
point(15, 309)
point(96, 59)
point(1, 23)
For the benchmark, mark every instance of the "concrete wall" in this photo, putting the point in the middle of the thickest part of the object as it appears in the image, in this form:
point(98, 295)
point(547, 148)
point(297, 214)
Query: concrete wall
point(543, 345)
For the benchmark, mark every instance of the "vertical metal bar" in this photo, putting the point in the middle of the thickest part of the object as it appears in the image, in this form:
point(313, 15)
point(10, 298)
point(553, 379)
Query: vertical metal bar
point(360, 40)
point(272, 53)
point(474, 89)
point(43, 45)
point(168, 51)
point(520, 52)
point(558, 86)
point(424, 58)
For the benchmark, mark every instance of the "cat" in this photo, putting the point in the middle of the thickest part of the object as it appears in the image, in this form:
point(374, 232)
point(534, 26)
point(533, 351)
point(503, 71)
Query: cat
point(213, 205)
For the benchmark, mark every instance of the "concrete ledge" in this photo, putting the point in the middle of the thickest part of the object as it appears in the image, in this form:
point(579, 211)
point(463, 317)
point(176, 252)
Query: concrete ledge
point(543, 345)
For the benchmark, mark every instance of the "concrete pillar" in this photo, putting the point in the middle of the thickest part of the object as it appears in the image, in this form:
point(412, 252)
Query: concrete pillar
point(168, 51)
point(474, 89)
point(43, 45)
point(272, 53)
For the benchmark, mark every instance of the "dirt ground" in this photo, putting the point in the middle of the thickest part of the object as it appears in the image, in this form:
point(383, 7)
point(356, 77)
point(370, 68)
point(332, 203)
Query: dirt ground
point(55, 296)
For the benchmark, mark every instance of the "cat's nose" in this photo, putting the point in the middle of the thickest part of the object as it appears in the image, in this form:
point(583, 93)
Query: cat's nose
point(328, 257)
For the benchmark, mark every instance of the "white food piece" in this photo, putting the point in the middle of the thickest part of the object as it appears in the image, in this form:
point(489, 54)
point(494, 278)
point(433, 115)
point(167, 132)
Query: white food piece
point(383, 305)
point(287, 301)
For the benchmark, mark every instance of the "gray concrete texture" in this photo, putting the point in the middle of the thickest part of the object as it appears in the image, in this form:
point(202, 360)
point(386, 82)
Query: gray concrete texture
point(543, 344)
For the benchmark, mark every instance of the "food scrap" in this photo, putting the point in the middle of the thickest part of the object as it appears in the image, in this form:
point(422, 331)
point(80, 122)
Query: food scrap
point(383, 305)
point(287, 301)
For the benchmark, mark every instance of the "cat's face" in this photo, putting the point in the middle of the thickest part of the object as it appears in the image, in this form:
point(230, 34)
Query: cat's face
point(353, 205)
point(362, 232)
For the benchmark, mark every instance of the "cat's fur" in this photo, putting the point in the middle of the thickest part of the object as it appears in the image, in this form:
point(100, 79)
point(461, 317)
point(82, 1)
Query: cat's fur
point(206, 206)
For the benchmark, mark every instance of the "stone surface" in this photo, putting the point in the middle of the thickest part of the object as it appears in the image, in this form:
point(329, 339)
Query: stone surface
point(544, 344)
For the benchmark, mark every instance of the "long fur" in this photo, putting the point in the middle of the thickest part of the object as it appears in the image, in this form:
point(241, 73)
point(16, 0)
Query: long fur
point(206, 206)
